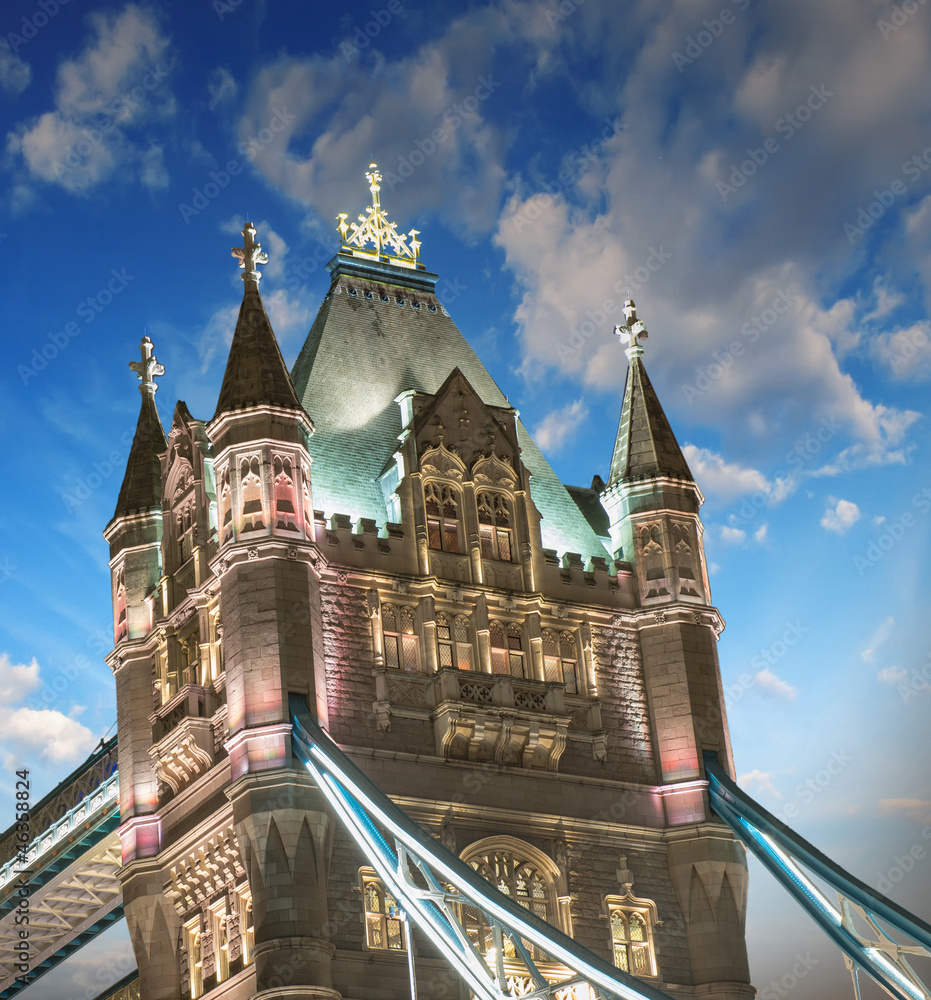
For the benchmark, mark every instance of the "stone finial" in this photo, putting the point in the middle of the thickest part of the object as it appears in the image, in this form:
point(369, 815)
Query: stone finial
point(148, 369)
point(632, 331)
point(250, 255)
point(624, 875)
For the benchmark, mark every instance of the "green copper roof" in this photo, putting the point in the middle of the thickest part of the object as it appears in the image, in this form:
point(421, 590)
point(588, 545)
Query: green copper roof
point(366, 349)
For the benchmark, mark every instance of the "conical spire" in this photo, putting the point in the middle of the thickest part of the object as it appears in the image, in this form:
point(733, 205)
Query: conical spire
point(645, 446)
point(255, 371)
point(142, 483)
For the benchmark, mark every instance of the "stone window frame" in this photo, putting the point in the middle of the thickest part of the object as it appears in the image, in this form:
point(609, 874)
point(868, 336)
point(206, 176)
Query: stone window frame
point(242, 895)
point(625, 907)
point(193, 944)
point(494, 537)
point(460, 640)
point(512, 652)
point(370, 882)
point(400, 645)
point(219, 925)
point(442, 526)
point(566, 651)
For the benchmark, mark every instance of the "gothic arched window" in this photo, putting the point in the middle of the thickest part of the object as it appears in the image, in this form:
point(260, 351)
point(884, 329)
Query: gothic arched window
point(401, 652)
point(442, 506)
point(524, 878)
point(494, 527)
point(251, 485)
point(561, 660)
point(384, 929)
point(122, 627)
point(632, 939)
point(226, 505)
point(454, 642)
point(507, 649)
point(651, 546)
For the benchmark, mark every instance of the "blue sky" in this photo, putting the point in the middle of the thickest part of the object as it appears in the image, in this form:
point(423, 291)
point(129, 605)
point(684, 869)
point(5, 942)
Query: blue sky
point(757, 175)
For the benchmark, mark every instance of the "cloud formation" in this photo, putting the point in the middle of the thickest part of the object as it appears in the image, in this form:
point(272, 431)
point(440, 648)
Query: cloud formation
point(840, 516)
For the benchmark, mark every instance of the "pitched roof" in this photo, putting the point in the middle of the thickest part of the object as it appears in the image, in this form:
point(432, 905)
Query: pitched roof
point(645, 445)
point(142, 482)
point(255, 370)
point(362, 352)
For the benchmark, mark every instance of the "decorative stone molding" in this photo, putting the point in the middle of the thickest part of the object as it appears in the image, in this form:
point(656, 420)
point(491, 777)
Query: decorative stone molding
point(184, 754)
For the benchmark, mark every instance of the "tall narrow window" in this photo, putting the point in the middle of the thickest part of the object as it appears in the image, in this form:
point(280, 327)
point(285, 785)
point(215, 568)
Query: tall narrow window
point(226, 505)
point(494, 526)
point(285, 516)
point(515, 651)
point(251, 494)
point(122, 628)
point(499, 650)
point(384, 929)
point(652, 548)
point(442, 505)
point(194, 940)
point(221, 943)
point(631, 940)
point(184, 526)
point(454, 642)
point(401, 651)
point(560, 660)
point(246, 923)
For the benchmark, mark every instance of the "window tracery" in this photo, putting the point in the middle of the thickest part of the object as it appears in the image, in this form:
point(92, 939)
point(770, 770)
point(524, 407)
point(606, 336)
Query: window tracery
point(384, 929)
point(400, 639)
point(251, 486)
point(507, 649)
point(632, 938)
point(285, 515)
point(561, 660)
point(443, 526)
point(454, 642)
point(494, 526)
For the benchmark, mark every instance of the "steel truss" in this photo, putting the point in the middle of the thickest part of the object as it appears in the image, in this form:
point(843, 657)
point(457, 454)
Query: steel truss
point(787, 855)
point(433, 886)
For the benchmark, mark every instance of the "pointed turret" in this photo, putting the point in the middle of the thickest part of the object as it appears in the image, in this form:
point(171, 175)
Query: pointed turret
point(142, 482)
point(255, 371)
point(645, 445)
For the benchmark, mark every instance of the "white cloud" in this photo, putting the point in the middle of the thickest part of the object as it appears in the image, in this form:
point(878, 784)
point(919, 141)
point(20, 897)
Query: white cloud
point(103, 95)
point(840, 517)
point(733, 535)
point(760, 534)
point(761, 780)
point(905, 351)
point(726, 479)
point(15, 73)
point(221, 86)
point(915, 809)
point(559, 427)
point(768, 681)
point(891, 675)
point(879, 636)
point(16, 679)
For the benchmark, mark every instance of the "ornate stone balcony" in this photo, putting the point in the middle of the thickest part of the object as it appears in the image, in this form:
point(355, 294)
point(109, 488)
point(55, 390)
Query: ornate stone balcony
point(183, 736)
point(492, 718)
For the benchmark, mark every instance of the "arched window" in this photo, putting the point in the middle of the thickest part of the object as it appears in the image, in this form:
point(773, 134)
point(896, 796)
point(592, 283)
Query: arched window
point(652, 548)
point(194, 940)
point(507, 649)
point(122, 627)
point(526, 879)
point(184, 531)
point(226, 505)
point(454, 642)
point(632, 939)
point(246, 923)
point(384, 929)
point(285, 516)
point(305, 497)
point(494, 526)
point(251, 486)
point(560, 659)
point(401, 651)
point(221, 940)
point(442, 505)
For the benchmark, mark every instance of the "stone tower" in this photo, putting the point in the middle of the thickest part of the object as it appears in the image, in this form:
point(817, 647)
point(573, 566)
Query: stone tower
point(529, 670)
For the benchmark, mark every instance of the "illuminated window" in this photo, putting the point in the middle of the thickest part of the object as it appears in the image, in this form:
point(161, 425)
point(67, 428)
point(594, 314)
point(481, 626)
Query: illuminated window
point(560, 659)
point(494, 526)
point(246, 923)
point(384, 929)
point(221, 941)
point(525, 881)
point(454, 642)
point(442, 504)
point(194, 939)
point(401, 651)
point(632, 939)
point(507, 649)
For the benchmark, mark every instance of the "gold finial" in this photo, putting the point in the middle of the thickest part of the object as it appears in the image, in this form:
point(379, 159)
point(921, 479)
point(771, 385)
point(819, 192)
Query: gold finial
point(375, 229)
point(632, 331)
point(148, 369)
point(250, 255)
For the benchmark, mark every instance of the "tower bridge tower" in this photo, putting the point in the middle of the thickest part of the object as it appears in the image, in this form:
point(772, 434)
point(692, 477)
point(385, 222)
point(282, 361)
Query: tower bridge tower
point(529, 670)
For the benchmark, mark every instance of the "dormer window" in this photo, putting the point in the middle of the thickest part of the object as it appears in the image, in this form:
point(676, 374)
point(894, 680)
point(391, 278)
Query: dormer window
point(442, 506)
point(494, 526)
